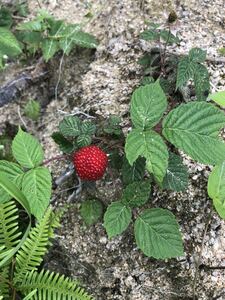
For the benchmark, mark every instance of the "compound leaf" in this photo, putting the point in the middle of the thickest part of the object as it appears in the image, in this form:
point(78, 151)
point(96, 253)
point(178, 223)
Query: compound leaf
point(148, 104)
point(27, 150)
point(185, 71)
point(151, 146)
point(117, 218)
point(194, 128)
point(36, 186)
point(157, 234)
point(176, 178)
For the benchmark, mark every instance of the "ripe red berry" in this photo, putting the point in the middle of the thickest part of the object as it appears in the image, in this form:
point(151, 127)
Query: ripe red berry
point(90, 163)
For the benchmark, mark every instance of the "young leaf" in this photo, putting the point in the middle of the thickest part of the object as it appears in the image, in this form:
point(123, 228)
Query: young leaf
point(176, 178)
point(83, 140)
point(194, 128)
point(32, 110)
point(157, 234)
point(133, 173)
point(8, 43)
point(185, 71)
point(151, 146)
point(84, 39)
point(219, 98)
point(168, 37)
point(27, 150)
point(64, 145)
point(197, 55)
point(136, 194)
point(34, 25)
point(117, 218)
point(14, 173)
point(216, 188)
point(150, 35)
point(148, 104)
point(70, 126)
point(91, 211)
point(49, 48)
point(87, 127)
point(36, 186)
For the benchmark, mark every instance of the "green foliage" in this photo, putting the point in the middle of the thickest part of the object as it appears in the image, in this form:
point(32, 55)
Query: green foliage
point(113, 125)
point(151, 146)
point(218, 98)
point(28, 175)
point(36, 186)
point(74, 133)
point(148, 104)
point(24, 278)
point(176, 178)
point(157, 234)
point(32, 110)
point(117, 218)
point(221, 51)
point(136, 194)
point(154, 33)
point(216, 188)
point(5, 17)
point(194, 128)
point(190, 67)
point(9, 45)
point(27, 150)
point(91, 211)
point(133, 173)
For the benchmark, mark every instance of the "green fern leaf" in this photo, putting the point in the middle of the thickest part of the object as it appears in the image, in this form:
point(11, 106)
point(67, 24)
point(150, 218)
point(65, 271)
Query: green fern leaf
point(9, 234)
point(52, 286)
point(4, 283)
point(30, 256)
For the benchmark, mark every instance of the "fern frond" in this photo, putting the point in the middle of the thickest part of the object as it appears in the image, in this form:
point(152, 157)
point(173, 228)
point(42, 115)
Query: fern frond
point(4, 283)
point(9, 225)
point(30, 256)
point(52, 286)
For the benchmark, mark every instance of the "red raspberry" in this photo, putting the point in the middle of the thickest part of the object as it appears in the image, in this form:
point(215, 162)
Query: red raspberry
point(90, 163)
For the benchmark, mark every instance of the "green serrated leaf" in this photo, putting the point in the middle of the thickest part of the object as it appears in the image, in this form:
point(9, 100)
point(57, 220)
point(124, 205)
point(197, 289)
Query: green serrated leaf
point(49, 48)
point(87, 127)
point(27, 150)
point(157, 234)
point(150, 145)
point(34, 25)
point(197, 55)
point(150, 35)
point(14, 173)
point(136, 194)
point(194, 128)
point(91, 211)
point(201, 82)
point(117, 218)
point(218, 98)
point(64, 145)
point(32, 110)
point(176, 178)
point(70, 126)
point(168, 37)
point(185, 71)
point(83, 140)
point(36, 186)
point(148, 104)
point(135, 172)
point(8, 43)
